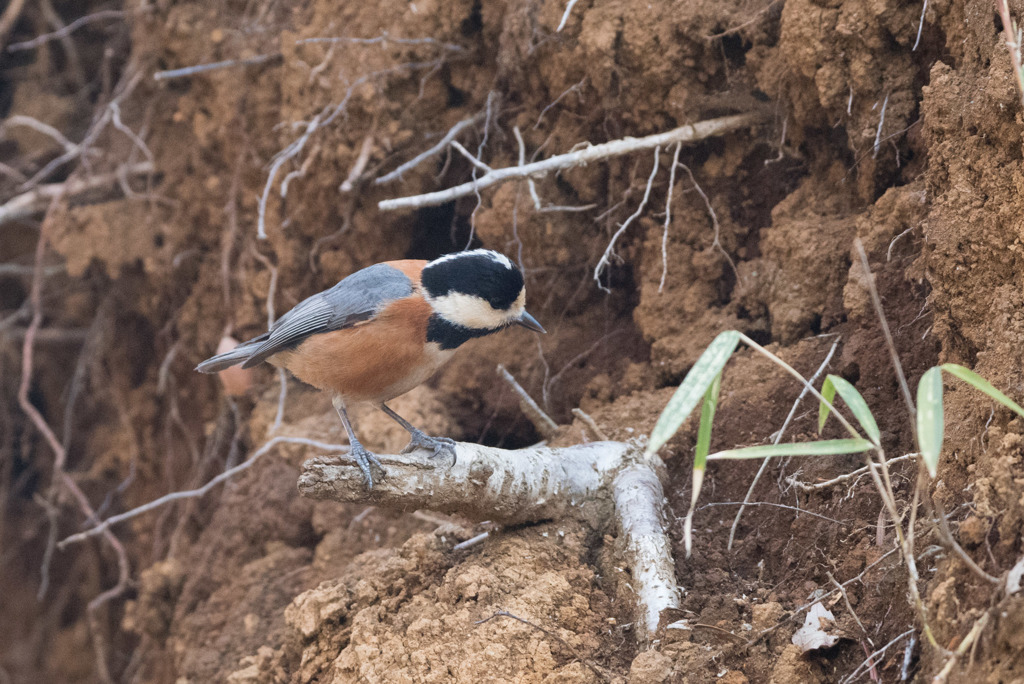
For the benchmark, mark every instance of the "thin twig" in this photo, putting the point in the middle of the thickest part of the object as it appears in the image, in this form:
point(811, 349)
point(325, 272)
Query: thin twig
point(383, 39)
point(565, 16)
point(9, 18)
point(37, 200)
point(540, 420)
point(326, 116)
point(186, 72)
point(920, 26)
point(744, 504)
point(968, 641)
point(60, 477)
point(452, 133)
point(575, 653)
point(860, 472)
point(874, 658)
point(820, 598)
point(473, 541)
point(40, 127)
point(78, 23)
point(522, 161)
point(73, 61)
point(881, 122)
point(27, 271)
point(102, 527)
point(571, 89)
point(457, 146)
point(756, 17)
point(849, 606)
point(609, 251)
point(592, 153)
point(716, 226)
point(589, 422)
point(365, 150)
point(668, 216)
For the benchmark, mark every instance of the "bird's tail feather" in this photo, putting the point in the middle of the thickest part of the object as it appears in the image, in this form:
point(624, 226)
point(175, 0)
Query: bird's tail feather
point(239, 354)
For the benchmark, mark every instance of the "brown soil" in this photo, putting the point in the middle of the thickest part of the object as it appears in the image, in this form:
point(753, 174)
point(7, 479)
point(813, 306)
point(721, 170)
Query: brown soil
point(906, 136)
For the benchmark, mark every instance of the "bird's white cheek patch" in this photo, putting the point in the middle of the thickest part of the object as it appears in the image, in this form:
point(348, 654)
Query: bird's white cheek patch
point(469, 311)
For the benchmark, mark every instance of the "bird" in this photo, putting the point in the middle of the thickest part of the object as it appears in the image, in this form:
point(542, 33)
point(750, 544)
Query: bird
point(386, 329)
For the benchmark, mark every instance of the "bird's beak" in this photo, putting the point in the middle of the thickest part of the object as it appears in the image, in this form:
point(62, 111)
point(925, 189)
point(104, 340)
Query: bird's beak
point(528, 321)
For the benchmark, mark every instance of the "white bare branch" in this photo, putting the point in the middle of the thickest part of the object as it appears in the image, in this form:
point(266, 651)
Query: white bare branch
point(186, 72)
point(638, 504)
point(565, 17)
point(591, 153)
point(441, 145)
point(607, 485)
point(36, 201)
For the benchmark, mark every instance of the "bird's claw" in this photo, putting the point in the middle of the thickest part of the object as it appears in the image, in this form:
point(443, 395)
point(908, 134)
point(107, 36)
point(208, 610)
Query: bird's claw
point(438, 445)
point(363, 458)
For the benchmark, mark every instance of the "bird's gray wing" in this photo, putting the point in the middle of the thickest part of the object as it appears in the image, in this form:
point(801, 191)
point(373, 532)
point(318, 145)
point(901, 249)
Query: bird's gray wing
point(356, 298)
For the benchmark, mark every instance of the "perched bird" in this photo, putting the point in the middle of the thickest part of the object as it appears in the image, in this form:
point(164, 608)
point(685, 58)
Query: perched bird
point(386, 329)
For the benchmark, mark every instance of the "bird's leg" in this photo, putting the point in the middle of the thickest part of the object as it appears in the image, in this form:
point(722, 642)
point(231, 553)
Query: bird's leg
point(420, 439)
point(357, 451)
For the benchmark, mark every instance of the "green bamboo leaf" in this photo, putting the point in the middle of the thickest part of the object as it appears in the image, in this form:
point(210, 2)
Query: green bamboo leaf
point(707, 416)
point(825, 447)
point(858, 407)
point(700, 456)
point(828, 390)
point(930, 425)
point(980, 383)
point(692, 389)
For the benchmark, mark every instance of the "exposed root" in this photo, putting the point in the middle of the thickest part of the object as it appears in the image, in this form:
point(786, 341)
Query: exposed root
point(607, 485)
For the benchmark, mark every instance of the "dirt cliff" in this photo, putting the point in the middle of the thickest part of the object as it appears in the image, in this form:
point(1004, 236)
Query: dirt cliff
point(896, 123)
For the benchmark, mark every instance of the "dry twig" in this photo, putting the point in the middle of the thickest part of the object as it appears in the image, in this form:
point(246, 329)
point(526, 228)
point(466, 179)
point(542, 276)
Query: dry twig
point(542, 421)
point(9, 18)
point(592, 153)
point(36, 201)
point(441, 145)
point(186, 72)
point(609, 251)
point(66, 31)
point(104, 527)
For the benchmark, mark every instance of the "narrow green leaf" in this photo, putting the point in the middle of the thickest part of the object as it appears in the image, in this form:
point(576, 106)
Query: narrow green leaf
point(825, 447)
point(692, 389)
point(707, 416)
point(980, 383)
point(858, 407)
point(930, 425)
point(700, 456)
point(828, 390)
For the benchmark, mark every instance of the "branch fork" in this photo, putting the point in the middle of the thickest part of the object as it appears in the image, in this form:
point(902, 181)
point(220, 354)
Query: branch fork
point(610, 486)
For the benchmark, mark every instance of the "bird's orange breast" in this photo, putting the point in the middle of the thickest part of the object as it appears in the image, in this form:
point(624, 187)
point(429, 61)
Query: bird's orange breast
point(373, 361)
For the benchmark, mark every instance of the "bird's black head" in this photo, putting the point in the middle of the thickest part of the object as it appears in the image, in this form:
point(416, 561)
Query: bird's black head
point(479, 292)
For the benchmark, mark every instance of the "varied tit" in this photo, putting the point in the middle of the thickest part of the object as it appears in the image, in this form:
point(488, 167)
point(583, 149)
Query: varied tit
point(387, 328)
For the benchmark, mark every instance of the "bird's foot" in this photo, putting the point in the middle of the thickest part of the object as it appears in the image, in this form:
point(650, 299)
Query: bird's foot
point(440, 446)
point(363, 458)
